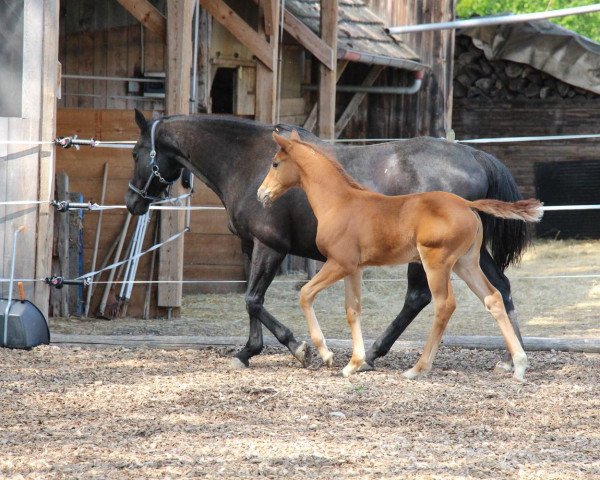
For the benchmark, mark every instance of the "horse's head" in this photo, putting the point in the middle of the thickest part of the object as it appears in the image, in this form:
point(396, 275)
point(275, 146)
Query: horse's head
point(156, 165)
point(284, 172)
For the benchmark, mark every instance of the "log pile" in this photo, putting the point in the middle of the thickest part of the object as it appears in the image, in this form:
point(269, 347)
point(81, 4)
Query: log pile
point(477, 77)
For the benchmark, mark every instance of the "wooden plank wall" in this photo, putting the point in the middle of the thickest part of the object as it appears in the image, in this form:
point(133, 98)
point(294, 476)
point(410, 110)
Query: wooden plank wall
point(99, 37)
point(489, 119)
point(427, 112)
point(20, 163)
point(211, 252)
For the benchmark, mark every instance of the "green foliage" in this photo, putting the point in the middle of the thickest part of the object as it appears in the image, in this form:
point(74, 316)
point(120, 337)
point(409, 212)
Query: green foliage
point(587, 25)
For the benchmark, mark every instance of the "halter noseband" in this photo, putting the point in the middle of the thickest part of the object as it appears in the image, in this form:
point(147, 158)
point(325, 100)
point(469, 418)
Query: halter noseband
point(154, 173)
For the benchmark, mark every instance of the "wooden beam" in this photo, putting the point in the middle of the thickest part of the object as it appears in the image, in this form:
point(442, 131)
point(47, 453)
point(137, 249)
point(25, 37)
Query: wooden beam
point(179, 64)
point(309, 40)
point(240, 30)
point(356, 100)
point(45, 214)
point(311, 120)
point(306, 37)
point(532, 344)
point(268, 15)
point(148, 15)
point(265, 99)
point(328, 78)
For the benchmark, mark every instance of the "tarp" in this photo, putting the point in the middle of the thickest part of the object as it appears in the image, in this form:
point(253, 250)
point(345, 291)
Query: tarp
point(545, 46)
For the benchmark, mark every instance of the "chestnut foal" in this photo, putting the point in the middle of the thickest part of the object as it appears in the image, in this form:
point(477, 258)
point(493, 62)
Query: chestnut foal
point(358, 228)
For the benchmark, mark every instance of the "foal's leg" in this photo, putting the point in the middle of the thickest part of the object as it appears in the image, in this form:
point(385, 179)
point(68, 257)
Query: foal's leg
point(330, 273)
point(438, 266)
point(352, 284)
point(468, 269)
point(501, 282)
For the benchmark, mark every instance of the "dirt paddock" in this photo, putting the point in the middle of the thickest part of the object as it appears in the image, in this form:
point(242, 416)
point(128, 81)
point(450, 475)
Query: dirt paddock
point(111, 413)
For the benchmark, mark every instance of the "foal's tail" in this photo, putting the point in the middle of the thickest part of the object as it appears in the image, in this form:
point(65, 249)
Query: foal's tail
point(526, 210)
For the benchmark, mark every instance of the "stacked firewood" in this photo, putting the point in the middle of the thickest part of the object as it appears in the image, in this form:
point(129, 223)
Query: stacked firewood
point(476, 76)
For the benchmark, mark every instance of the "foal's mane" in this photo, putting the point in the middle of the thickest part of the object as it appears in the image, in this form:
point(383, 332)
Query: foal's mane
point(334, 163)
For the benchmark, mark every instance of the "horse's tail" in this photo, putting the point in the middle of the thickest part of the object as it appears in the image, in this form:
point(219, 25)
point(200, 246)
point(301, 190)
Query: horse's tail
point(506, 239)
point(525, 210)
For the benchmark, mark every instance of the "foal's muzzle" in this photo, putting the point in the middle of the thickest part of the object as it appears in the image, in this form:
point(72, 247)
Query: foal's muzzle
point(263, 195)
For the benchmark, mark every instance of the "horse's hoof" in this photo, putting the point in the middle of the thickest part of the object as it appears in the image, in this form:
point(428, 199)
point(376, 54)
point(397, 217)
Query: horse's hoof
point(236, 364)
point(412, 374)
point(347, 371)
point(328, 359)
point(503, 367)
point(301, 354)
point(519, 378)
point(365, 367)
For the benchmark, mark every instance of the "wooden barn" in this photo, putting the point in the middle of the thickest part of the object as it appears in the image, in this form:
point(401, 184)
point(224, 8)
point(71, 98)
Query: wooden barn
point(535, 79)
point(118, 55)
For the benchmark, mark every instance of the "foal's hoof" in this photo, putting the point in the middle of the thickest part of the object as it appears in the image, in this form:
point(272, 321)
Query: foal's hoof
point(412, 374)
point(302, 354)
point(347, 371)
point(328, 359)
point(503, 367)
point(236, 364)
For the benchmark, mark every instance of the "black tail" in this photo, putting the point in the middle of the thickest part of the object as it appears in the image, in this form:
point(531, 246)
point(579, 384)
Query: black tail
point(506, 239)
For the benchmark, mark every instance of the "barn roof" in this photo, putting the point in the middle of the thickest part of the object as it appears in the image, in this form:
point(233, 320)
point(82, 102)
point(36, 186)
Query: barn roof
point(545, 46)
point(361, 35)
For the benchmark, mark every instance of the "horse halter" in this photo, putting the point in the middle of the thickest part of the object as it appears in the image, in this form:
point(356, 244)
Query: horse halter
point(154, 173)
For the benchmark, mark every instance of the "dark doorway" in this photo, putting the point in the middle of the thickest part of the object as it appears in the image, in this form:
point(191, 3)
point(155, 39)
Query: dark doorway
point(569, 183)
point(221, 93)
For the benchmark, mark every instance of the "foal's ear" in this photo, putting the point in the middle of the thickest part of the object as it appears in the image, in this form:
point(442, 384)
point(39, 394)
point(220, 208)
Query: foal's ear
point(294, 135)
point(283, 142)
point(141, 121)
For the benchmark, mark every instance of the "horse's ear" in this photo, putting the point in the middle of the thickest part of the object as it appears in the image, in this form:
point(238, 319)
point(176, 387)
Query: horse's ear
point(294, 135)
point(283, 142)
point(141, 121)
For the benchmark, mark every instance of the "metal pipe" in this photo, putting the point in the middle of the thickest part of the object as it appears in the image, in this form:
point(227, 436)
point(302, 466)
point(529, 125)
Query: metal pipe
point(497, 20)
point(194, 99)
point(113, 79)
point(11, 283)
point(409, 90)
point(123, 97)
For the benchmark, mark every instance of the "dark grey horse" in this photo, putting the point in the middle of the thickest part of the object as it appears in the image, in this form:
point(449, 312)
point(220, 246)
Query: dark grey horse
point(233, 155)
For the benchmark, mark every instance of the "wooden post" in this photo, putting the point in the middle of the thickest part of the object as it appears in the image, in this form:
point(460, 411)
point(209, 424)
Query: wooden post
point(179, 64)
point(45, 216)
point(266, 78)
point(328, 79)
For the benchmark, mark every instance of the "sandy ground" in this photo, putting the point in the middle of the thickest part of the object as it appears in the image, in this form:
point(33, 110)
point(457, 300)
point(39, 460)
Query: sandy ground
point(547, 307)
point(115, 413)
point(142, 413)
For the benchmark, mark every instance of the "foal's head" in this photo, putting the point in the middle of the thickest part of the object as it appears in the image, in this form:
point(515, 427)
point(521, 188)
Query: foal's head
point(284, 172)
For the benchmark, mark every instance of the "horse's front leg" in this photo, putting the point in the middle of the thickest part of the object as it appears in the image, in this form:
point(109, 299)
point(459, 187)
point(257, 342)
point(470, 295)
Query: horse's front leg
point(352, 284)
point(261, 269)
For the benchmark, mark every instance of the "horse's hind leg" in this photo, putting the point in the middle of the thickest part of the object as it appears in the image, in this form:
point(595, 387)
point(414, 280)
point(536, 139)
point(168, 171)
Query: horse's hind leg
point(469, 270)
point(501, 282)
point(330, 273)
point(438, 266)
point(352, 284)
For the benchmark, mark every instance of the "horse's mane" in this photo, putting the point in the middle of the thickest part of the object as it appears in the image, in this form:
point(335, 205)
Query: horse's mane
point(334, 163)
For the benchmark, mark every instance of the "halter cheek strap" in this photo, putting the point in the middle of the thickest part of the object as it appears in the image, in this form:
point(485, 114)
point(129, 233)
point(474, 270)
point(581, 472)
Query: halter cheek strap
point(155, 171)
